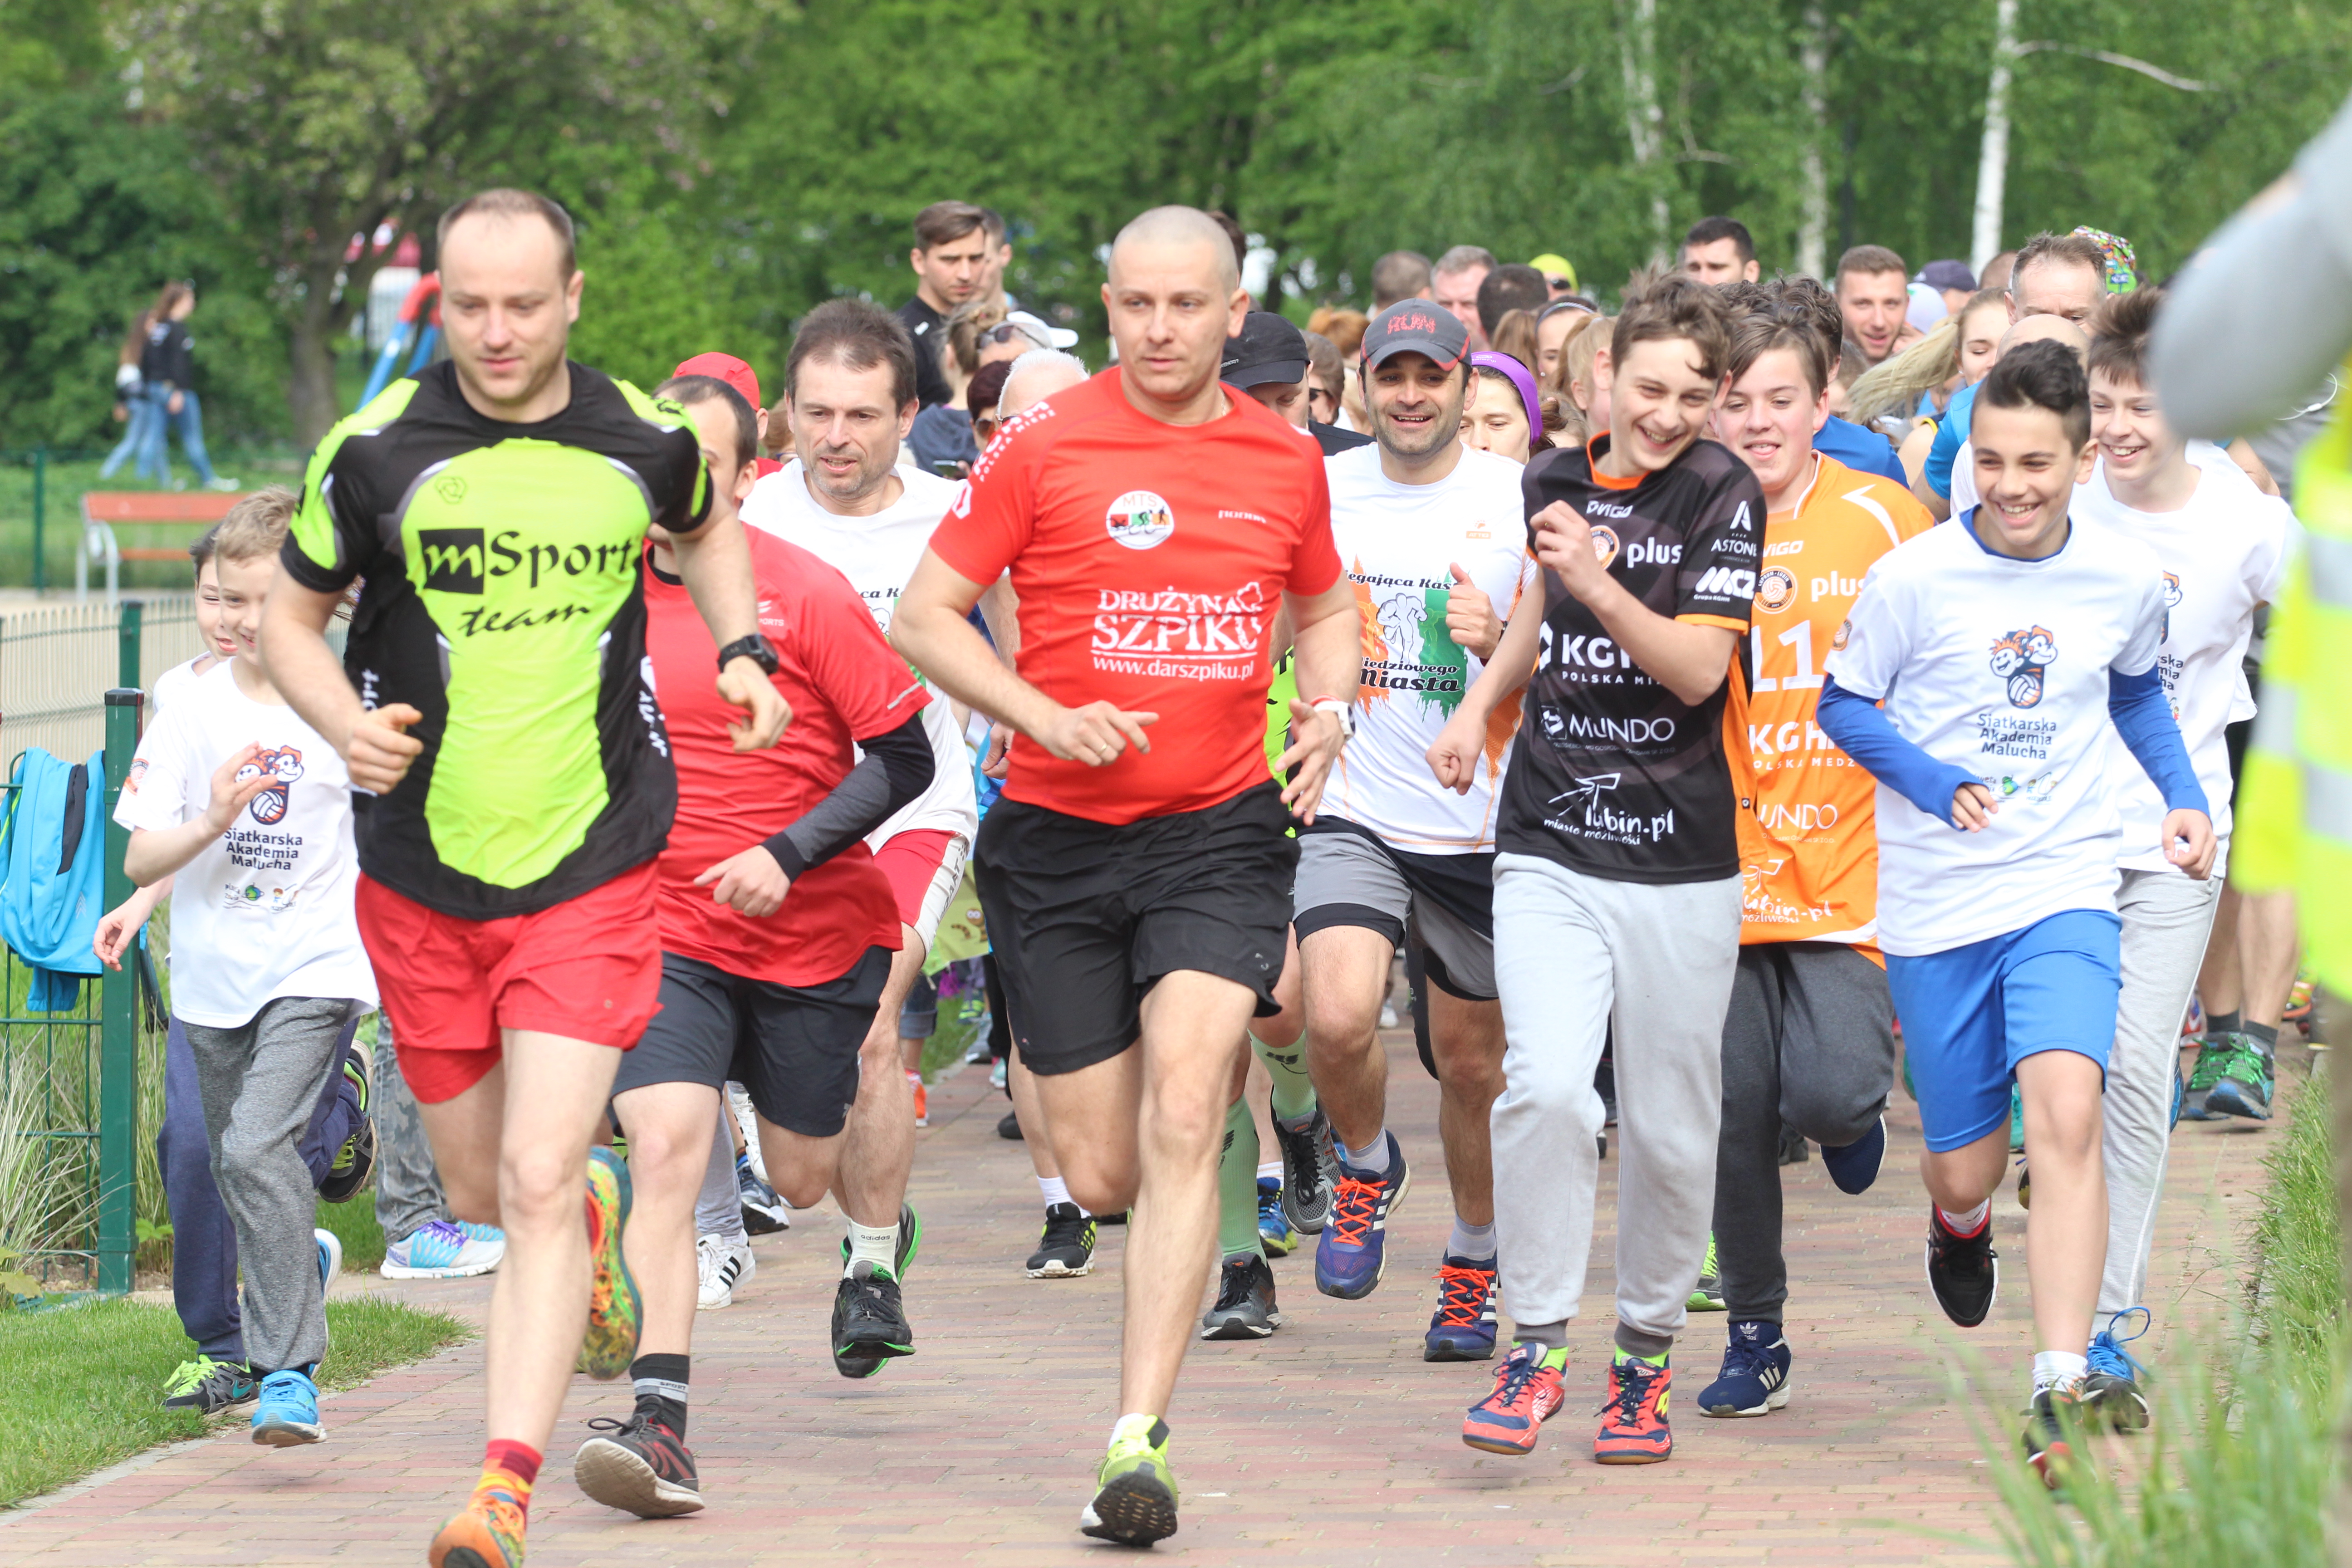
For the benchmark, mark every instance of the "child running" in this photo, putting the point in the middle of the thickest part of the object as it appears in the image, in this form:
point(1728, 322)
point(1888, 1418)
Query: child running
point(2003, 648)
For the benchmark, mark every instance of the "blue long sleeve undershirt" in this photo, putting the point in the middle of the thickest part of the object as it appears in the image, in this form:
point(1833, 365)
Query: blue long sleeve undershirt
point(2136, 705)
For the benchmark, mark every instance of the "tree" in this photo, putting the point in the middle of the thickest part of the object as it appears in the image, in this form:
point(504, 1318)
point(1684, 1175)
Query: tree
point(319, 123)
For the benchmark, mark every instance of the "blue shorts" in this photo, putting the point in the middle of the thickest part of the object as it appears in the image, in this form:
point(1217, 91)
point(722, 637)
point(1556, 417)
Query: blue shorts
point(1971, 1013)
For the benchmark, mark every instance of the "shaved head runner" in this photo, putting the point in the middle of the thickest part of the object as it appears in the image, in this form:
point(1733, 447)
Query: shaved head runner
point(1136, 873)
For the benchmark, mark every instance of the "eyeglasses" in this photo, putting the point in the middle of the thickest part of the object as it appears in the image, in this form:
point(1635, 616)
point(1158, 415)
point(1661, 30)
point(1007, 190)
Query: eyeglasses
point(1004, 333)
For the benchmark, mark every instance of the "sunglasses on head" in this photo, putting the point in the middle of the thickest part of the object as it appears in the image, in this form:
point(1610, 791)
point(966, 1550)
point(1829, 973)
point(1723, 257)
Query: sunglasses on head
point(1005, 332)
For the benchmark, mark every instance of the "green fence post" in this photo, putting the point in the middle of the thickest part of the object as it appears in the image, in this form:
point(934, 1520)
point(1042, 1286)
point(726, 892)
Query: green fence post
point(131, 623)
point(118, 1092)
point(40, 515)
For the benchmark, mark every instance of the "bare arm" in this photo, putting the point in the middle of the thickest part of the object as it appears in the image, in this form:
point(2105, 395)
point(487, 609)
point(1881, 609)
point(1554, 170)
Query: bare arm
point(374, 743)
point(715, 560)
point(930, 629)
point(155, 853)
point(1326, 634)
point(1688, 659)
point(1454, 755)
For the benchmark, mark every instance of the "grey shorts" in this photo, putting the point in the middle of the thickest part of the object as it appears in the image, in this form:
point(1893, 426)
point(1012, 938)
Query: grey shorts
point(1348, 877)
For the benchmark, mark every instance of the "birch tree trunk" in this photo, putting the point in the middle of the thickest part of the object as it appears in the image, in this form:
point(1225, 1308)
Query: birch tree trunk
point(1813, 228)
point(1645, 123)
point(1992, 159)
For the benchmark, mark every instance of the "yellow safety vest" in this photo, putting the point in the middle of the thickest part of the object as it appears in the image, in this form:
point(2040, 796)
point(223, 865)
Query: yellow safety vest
point(2294, 824)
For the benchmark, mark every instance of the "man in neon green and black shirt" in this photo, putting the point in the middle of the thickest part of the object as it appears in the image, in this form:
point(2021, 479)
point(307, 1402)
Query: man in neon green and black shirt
point(516, 780)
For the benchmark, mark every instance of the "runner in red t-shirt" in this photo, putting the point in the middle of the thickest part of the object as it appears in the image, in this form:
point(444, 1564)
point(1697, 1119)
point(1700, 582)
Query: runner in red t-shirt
point(776, 933)
point(1135, 875)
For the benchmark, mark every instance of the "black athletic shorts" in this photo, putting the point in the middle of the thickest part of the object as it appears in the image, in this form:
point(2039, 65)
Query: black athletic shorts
point(1084, 918)
point(793, 1047)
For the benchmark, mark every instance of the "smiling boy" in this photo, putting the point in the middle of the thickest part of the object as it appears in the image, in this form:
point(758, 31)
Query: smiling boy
point(2004, 647)
point(1617, 885)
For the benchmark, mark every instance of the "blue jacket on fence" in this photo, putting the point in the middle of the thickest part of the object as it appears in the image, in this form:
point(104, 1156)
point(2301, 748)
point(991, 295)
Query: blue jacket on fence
point(54, 847)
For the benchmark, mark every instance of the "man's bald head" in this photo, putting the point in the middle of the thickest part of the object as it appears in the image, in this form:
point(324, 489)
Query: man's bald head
point(2046, 329)
point(1037, 377)
point(1178, 228)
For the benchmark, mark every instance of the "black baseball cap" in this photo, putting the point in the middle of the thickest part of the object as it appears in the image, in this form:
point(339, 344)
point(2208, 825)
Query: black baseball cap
point(1269, 350)
point(1420, 327)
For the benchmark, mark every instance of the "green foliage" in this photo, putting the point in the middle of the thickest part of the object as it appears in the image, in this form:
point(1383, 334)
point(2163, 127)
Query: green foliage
point(86, 1381)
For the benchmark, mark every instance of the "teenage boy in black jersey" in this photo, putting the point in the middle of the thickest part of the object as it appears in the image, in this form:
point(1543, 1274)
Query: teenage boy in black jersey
point(1617, 887)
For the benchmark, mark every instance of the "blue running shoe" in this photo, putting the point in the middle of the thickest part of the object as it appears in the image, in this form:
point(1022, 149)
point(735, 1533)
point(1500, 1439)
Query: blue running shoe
point(1274, 1232)
point(2111, 1392)
point(2016, 1119)
point(1754, 1376)
point(1463, 1327)
point(288, 1414)
point(1854, 1166)
point(1351, 1252)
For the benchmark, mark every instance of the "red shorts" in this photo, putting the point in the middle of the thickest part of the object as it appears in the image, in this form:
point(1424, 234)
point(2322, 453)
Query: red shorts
point(587, 969)
point(924, 865)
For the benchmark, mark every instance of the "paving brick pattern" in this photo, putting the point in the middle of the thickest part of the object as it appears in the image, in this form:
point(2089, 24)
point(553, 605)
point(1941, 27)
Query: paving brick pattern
point(1330, 1443)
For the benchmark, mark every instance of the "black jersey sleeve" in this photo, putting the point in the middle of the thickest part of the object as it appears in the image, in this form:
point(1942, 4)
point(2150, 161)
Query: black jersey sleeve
point(333, 536)
point(1716, 582)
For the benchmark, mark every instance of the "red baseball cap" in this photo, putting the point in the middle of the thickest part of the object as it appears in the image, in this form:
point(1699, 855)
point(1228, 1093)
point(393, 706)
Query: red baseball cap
point(725, 368)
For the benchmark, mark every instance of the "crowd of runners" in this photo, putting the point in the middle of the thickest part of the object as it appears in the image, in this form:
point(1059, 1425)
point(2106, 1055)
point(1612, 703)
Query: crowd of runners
point(1722, 711)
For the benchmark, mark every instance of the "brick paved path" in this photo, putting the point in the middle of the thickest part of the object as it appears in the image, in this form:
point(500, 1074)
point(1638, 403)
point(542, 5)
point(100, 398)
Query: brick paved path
point(1330, 1443)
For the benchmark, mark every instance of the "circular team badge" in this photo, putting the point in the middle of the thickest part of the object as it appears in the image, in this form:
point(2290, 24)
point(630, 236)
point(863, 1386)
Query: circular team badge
point(1604, 543)
point(1775, 589)
point(1140, 519)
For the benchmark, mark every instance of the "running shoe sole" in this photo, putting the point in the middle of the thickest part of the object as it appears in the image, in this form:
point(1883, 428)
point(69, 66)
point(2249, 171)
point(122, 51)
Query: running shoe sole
point(612, 1475)
point(1135, 1509)
point(1449, 1349)
point(611, 1344)
point(2231, 1098)
point(396, 1271)
point(289, 1434)
point(1057, 1269)
point(1772, 1401)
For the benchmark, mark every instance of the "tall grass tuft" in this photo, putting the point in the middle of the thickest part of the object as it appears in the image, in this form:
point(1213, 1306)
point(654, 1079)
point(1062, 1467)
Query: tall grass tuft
point(2242, 1463)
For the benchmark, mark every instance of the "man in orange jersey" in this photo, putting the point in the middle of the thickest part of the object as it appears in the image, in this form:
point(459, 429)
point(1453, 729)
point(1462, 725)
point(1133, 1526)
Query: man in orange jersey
point(1809, 1038)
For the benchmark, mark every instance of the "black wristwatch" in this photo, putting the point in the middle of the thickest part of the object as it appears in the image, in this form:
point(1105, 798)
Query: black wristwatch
point(756, 648)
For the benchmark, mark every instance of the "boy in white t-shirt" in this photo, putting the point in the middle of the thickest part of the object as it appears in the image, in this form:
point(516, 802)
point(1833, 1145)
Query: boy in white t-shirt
point(2005, 645)
point(2223, 545)
point(247, 810)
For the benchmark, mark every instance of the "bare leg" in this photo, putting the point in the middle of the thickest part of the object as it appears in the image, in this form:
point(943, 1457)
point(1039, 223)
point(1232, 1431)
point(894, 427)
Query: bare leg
point(1032, 1115)
point(2268, 953)
point(1466, 1039)
point(1345, 975)
point(671, 1128)
point(879, 1145)
point(1143, 1129)
point(802, 1169)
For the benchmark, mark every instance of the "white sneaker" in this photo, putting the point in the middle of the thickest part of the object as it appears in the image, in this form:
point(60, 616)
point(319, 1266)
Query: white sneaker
point(220, 484)
point(441, 1250)
point(747, 1122)
point(1388, 1017)
point(722, 1264)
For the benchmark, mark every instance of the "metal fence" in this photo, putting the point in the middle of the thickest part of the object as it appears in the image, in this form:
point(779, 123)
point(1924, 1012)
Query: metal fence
point(71, 683)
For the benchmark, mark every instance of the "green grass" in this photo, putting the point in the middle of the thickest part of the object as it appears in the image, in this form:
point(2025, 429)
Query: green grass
point(68, 477)
point(2243, 1460)
point(90, 1379)
point(355, 1225)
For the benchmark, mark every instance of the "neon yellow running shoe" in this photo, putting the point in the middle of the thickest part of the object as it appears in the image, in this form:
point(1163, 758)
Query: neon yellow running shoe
point(615, 1312)
point(1707, 1296)
point(1135, 1500)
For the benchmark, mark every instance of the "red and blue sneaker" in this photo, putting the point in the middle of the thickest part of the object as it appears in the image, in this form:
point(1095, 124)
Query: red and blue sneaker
point(1633, 1428)
point(1463, 1327)
point(1353, 1251)
point(1527, 1393)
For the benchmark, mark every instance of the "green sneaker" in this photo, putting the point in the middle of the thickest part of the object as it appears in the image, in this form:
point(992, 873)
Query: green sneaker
point(2212, 1051)
point(2242, 1081)
point(355, 1160)
point(208, 1386)
point(1707, 1296)
point(1135, 1500)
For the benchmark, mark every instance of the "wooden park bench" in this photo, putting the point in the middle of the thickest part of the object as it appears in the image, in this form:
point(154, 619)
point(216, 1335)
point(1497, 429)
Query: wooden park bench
point(103, 510)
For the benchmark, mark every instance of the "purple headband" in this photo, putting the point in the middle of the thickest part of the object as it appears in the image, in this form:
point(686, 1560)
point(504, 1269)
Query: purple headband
point(1508, 364)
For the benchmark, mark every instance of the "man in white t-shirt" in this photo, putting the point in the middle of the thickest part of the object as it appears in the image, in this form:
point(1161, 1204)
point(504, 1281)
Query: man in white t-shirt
point(2007, 647)
point(2223, 545)
point(849, 402)
point(1432, 535)
point(247, 809)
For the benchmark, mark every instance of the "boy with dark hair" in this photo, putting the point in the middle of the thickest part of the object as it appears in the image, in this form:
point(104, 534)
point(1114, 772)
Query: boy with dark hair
point(2004, 648)
point(240, 802)
point(1617, 887)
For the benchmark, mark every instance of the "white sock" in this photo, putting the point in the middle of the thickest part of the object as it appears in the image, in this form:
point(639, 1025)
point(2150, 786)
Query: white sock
point(1271, 1171)
point(874, 1246)
point(2058, 1369)
point(1373, 1157)
point(1475, 1242)
point(1967, 1224)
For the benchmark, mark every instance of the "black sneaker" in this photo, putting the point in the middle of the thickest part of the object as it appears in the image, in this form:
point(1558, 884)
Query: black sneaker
point(1008, 1127)
point(1793, 1151)
point(355, 1160)
point(1245, 1308)
point(1066, 1248)
point(1963, 1270)
point(2050, 1424)
point(207, 1386)
point(764, 1212)
point(639, 1464)
point(1309, 1169)
point(879, 1320)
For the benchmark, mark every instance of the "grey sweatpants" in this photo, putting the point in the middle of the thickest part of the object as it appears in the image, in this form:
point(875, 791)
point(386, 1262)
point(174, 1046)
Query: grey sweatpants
point(1809, 1039)
point(407, 1183)
point(2167, 918)
point(719, 1207)
point(1571, 952)
point(259, 1082)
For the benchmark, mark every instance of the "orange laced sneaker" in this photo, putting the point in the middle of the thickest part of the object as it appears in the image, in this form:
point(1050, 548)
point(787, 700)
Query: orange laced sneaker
point(1633, 1428)
point(1527, 1391)
point(615, 1312)
point(488, 1534)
